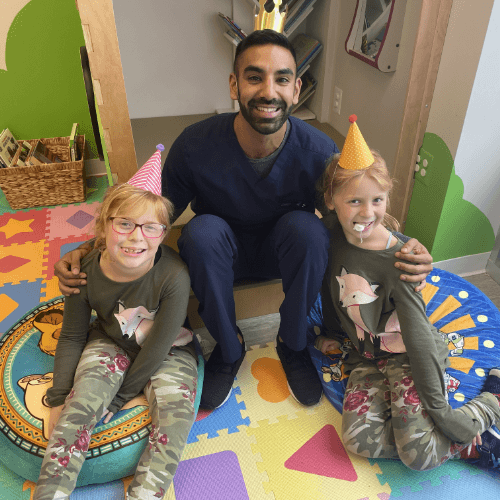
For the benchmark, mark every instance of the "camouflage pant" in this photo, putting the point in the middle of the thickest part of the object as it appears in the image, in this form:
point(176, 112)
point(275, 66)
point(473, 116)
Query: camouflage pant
point(383, 418)
point(170, 393)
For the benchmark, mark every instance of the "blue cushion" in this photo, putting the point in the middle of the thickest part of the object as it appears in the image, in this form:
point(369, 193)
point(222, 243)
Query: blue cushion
point(26, 365)
point(459, 311)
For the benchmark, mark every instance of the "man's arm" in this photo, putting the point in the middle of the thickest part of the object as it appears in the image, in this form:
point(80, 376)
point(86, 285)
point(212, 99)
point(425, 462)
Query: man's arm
point(67, 269)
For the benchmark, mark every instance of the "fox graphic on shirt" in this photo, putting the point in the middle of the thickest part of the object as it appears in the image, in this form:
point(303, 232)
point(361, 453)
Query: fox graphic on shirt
point(356, 291)
point(135, 321)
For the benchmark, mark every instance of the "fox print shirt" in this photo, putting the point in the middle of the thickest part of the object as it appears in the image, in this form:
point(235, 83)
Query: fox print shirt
point(144, 317)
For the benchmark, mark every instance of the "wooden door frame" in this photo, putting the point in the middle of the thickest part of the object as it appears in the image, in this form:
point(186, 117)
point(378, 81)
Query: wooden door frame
point(99, 29)
point(427, 52)
point(101, 40)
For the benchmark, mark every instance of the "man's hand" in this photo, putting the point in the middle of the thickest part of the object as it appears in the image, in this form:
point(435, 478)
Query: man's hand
point(421, 263)
point(54, 415)
point(68, 270)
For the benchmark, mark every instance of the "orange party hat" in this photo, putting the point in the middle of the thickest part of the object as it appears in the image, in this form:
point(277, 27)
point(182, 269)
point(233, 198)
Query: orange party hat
point(355, 153)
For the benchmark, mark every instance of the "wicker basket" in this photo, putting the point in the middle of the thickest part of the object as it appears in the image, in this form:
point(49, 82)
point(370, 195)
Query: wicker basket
point(49, 184)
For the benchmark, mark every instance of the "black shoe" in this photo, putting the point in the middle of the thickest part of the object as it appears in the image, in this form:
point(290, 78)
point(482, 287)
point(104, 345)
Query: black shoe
point(492, 383)
point(489, 451)
point(218, 379)
point(303, 380)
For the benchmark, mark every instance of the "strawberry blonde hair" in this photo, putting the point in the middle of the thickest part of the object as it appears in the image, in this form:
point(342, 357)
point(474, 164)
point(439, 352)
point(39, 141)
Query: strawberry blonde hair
point(125, 200)
point(335, 178)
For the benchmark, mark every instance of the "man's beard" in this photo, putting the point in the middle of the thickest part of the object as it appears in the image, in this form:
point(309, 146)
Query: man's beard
point(265, 126)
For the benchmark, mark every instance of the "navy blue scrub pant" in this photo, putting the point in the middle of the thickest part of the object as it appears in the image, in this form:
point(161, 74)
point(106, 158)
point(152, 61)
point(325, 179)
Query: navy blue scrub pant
point(295, 249)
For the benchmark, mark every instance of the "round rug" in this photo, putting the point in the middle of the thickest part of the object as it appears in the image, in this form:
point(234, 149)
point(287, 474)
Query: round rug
point(26, 365)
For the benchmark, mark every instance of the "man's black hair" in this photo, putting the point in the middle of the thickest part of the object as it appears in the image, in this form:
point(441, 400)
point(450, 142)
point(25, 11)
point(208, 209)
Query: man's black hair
point(263, 37)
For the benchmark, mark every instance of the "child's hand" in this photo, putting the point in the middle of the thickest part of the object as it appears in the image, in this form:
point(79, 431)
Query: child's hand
point(108, 415)
point(326, 345)
point(54, 415)
point(477, 441)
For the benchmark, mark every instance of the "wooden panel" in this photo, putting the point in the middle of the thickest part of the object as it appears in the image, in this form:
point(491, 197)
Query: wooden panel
point(423, 74)
point(258, 299)
point(98, 22)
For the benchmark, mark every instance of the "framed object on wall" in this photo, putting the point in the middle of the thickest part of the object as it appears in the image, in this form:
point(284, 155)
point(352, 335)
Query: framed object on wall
point(375, 33)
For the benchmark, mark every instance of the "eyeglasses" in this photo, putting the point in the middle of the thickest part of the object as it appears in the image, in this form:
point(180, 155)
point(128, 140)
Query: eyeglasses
point(149, 230)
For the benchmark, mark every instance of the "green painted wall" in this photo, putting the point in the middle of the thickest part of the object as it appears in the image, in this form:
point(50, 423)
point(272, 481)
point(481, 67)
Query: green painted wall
point(439, 217)
point(463, 228)
point(429, 191)
point(42, 92)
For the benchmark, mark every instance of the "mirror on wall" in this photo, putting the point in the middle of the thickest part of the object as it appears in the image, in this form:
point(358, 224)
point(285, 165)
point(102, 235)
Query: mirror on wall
point(375, 33)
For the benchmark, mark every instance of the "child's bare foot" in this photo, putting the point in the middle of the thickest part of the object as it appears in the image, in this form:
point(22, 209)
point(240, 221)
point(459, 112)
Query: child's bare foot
point(326, 345)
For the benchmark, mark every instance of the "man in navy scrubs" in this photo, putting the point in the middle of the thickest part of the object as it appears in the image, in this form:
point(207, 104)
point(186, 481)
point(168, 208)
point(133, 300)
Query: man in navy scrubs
point(250, 177)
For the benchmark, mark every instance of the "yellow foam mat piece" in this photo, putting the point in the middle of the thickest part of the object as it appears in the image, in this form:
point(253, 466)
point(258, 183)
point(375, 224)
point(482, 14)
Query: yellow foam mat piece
point(292, 434)
point(51, 289)
point(257, 408)
point(33, 253)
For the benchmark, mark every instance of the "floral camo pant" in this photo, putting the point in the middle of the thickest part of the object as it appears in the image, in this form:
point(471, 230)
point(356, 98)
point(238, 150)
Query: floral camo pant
point(383, 418)
point(170, 392)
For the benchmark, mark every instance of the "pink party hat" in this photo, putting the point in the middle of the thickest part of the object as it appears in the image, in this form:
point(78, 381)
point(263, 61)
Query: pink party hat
point(148, 177)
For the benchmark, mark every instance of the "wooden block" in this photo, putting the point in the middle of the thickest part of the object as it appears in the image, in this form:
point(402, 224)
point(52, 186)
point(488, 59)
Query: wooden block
point(256, 299)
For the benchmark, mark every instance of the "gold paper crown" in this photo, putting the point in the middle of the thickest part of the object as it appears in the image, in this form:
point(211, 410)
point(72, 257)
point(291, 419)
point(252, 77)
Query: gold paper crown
point(270, 20)
point(356, 154)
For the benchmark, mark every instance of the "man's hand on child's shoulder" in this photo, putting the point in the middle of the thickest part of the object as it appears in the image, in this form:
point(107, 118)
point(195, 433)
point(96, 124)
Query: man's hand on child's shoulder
point(68, 270)
point(416, 261)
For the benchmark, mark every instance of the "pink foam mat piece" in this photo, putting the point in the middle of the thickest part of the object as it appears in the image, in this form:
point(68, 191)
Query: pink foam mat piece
point(323, 455)
point(71, 221)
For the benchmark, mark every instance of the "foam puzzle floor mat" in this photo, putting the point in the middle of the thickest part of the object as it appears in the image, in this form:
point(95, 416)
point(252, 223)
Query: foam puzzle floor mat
point(261, 445)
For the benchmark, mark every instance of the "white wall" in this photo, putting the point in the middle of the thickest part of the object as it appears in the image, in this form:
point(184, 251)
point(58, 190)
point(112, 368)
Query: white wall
point(477, 161)
point(174, 57)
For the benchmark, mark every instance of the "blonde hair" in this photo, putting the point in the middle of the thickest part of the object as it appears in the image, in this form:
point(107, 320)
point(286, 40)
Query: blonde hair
point(335, 178)
point(130, 201)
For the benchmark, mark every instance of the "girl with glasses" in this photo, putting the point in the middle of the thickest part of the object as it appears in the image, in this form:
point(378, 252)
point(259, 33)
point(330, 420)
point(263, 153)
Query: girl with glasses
point(139, 289)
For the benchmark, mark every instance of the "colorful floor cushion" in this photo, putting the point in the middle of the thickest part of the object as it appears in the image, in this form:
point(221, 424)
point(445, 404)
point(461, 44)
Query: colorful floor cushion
point(26, 365)
point(468, 321)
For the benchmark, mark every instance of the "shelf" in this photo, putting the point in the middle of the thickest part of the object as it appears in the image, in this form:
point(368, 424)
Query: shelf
point(304, 114)
point(231, 39)
point(296, 23)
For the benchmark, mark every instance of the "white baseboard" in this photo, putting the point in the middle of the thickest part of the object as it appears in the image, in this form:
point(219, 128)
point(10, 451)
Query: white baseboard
point(465, 266)
point(95, 167)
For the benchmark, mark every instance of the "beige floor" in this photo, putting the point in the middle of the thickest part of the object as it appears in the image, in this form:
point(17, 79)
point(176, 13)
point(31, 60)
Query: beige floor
point(487, 285)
